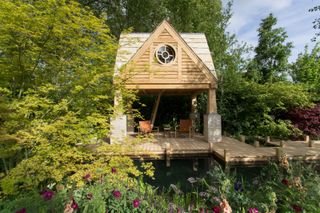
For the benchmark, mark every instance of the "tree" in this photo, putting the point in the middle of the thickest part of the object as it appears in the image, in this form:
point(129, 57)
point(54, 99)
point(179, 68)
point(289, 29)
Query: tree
point(56, 69)
point(316, 22)
point(306, 70)
point(204, 16)
point(55, 47)
point(307, 120)
point(139, 15)
point(270, 62)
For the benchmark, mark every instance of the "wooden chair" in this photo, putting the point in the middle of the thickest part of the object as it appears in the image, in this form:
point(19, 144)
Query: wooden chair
point(146, 127)
point(185, 126)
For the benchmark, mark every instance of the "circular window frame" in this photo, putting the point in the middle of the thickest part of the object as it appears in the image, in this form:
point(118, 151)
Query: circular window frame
point(159, 60)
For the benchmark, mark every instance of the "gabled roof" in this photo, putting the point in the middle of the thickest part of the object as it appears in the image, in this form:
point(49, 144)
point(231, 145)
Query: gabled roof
point(130, 43)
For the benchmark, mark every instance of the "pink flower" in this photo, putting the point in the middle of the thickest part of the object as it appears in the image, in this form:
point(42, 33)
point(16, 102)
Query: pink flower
point(116, 194)
point(47, 194)
point(253, 210)
point(136, 203)
point(74, 205)
point(87, 177)
point(216, 209)
point(225, 207)
point(113, 170)
point(23, 210)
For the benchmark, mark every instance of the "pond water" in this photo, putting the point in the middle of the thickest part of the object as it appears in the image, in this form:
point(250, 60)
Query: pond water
point(181, 169)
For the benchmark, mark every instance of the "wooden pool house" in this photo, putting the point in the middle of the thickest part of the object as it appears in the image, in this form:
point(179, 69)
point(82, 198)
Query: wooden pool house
point(166, 62)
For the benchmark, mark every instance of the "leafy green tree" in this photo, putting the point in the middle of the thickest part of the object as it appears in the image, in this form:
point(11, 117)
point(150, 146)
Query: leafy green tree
point(270, 63)
point(141, 15)
point(306, 70)
point(58, 46)
point(56, 68)
point(204, 16)
point(250, 108)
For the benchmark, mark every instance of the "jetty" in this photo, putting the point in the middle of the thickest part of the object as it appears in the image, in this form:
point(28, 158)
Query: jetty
point(229, 151)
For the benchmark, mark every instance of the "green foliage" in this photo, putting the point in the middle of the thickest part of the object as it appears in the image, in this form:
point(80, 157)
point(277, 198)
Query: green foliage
point(96, 195)
point(271, 60)
point(208, 17)
point(54, 42)
point(306, 70)
point(256, 108)
point(56, 94)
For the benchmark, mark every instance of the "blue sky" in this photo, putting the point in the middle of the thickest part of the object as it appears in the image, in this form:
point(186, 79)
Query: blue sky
point(293, 15)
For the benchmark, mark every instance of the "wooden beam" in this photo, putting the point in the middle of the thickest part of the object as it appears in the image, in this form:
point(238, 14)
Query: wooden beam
point(155, 109)
point(211, 104)
point(167, 86)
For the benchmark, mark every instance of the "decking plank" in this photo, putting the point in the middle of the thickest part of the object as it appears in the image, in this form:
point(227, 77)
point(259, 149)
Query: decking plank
point(239, 153)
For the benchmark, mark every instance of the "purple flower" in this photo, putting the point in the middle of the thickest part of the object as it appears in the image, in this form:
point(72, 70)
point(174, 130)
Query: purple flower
point(216, 209)
point(23, 210)
point(87, 177)
point(253, 210)
point(47, 194)
point(113, 170)
point(238, 186)
point(74, 205)
point(89, 196)
point(297, 208)
point(116, 194)
point(136, 203)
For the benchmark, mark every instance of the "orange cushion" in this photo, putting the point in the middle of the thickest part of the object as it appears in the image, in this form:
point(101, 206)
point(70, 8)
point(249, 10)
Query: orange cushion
point(185, 124)
point(145, 126)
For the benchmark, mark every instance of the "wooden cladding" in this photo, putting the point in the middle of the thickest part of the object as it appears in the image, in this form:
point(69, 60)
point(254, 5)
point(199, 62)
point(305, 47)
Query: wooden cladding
point(183, 69)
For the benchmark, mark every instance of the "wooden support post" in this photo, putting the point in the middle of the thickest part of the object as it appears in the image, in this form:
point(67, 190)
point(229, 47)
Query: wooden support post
point(211, 104)
point(268, 140)
point(226, 155)
point(311, 143)
point(195, 164)
point(256, 143)
point(243, 138)
point(282, 143)
point(155, 109)
point(168, 154)
point(306, 138)
point(210, 147)
point(279, 153)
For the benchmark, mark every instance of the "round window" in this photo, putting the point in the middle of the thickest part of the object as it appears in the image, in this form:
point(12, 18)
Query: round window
point(165, 54)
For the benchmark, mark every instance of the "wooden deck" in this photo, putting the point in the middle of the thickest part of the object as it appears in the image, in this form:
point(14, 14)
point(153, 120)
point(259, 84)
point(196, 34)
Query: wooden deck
point(229, 151)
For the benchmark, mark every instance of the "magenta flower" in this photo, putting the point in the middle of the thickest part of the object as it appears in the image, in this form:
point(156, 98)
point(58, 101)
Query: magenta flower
point(47, 194)
point(89, 196)
point(216, 209)
point(285, 182)
point(74, 205)
point(23, 210)
point(136, 203)
point(253, 210)
point(113, 170)
point(87, 177)
point(116, 194)
point(297, 208)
